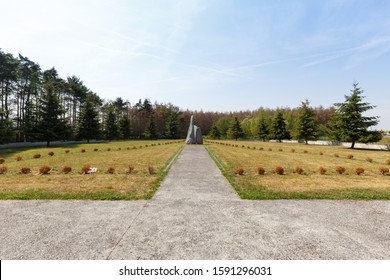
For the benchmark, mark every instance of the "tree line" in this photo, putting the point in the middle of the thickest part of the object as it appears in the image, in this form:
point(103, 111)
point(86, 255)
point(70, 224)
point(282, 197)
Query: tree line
point(345, 122)
point(39, 105)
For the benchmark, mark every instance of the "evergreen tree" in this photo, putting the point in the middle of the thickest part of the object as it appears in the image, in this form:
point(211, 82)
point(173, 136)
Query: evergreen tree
point(172, 125)
point(150, 130)
point(124, 127)
point(214, 132)
point(88, 127)
point(235, 130)
point(52, 126)
point(6, 131)
point(110, 125)
point(263, 132)
point(278, 127)
point(307, 123)
point(348, 123)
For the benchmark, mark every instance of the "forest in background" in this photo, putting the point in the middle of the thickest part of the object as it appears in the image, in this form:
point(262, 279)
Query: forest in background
point(39, 105)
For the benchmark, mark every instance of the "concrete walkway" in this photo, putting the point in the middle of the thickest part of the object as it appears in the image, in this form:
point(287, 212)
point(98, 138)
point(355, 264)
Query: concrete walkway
point(195, 215)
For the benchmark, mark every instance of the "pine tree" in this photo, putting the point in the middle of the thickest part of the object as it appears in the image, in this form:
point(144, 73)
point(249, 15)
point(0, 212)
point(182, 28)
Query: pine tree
point(110, 125)
point(235, 130)
point(88, 127)
point(214, 132)
point(52, 126)
point(150, 130)
point(348, 123)
point(263, 132)
point(307, 123)
point(278, 127)
point(172, 125)
point(124, 127)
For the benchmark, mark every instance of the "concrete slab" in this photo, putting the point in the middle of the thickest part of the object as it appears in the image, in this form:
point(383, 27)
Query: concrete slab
point(195, 215)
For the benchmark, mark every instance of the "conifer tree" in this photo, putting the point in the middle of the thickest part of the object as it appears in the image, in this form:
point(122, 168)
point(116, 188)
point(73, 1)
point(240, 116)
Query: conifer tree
point(278, 127)
point(150, 130)
point(348, 123)
point(235, 130)
point(307, 123)
point(214, 132)
point(263, 132)
point(110, 125)
point(88, 127)
point(124, 127)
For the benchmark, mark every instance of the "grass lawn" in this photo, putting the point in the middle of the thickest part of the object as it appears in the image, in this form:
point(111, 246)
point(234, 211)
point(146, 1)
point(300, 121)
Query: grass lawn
point(371, 184)
point(139, 184)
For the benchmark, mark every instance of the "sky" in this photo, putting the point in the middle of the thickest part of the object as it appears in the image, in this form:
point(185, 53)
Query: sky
point(211, 55)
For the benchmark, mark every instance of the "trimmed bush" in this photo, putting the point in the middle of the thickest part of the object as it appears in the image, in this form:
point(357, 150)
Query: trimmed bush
point(279, 170)
point(82, 150)
point(321, 153)
point(240, 171)
point(3, 169)
point(369, 159)
point(85, 168)
point(305, 151)
point(270, 149)
point(50, 154)
point(322, 170)
point(66, 169)
point(111, 170)
point(293, 150)
point(340, 169)
point(280, 150)
point(151, 170)
point(2, 160)
point(44, 170)
point(18, 158)
point(384, 170)
point(130, 168)
point(108, 149)
point(67, 151)
point(96, 149)
point(349, 156)
point(37, 156)
point(388, 161)
point(260, 171)
point(261, 148)
point(298, 170)
point(359, 170)
point(25, 170)
point(336, 155)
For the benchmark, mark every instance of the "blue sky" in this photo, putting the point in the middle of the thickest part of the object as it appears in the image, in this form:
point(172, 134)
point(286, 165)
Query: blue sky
point(212, 55)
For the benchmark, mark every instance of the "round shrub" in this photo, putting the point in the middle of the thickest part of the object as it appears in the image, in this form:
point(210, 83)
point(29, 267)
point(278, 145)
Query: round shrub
point(44, 170)
point(67, 151)
point(3, 169)
point(369, 159)
point(111, 170)
point(293, 150)
point(305, 151)
point(82, 150)
point(298, 170)
point(321, 153)
point(25, 170)
point(340, 169)
point(96, 149)
point(119, 149)
point(37, 156)
point(2, 160)
point(384, 170)
point(359, 170)
point(336, 155)
point(322, 170)
point(151, 170)
point(270, 149)
point(66, 169)
point(279, 170)
point(261, 148)
point(130, 168)
point(239, 171)
point(350, 156)
point(280, 150)
point(388, 161)
point(260, 171)
point(50, 154)
point(85, 168)
point(18, 158)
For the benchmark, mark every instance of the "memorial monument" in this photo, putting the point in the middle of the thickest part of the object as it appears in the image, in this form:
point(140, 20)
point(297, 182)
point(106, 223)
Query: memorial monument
point(194, 135)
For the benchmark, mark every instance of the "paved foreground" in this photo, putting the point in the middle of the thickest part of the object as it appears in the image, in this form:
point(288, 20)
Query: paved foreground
point(195, 215)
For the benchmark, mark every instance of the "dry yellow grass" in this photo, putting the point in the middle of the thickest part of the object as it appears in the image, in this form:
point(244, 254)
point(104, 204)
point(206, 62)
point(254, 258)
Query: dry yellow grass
point(311, 184)
point(101, 185)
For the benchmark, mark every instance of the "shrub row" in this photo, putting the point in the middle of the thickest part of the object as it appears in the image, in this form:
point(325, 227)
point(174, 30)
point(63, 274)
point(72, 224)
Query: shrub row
point(67, 169)
point(322, 170)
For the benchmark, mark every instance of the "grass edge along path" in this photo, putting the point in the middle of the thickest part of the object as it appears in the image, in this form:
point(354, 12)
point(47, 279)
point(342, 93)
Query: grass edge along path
point(253, 192)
